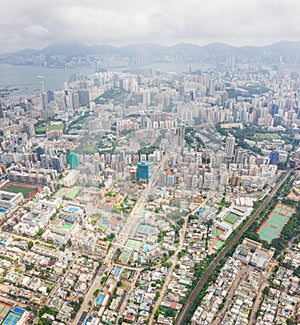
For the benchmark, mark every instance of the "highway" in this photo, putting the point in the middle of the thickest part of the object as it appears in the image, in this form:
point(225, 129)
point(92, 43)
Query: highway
point(182, 317)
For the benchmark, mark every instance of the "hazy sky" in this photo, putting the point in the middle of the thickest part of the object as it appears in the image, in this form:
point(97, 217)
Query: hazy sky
point(37, 23)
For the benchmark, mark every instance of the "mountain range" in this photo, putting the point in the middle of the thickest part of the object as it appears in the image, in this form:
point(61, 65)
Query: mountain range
point(288, 51)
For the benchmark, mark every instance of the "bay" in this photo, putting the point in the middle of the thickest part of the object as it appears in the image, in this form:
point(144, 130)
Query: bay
point(27, 79)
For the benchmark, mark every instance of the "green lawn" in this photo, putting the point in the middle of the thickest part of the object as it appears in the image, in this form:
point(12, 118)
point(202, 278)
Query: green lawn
point(73, 192)
point(44, 129)
point(86, 149)
point(67, 226)
point(267, 136)
point(19, 189)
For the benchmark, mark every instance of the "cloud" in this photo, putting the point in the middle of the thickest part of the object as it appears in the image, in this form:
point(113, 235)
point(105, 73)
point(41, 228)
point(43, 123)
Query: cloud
point(37, 32)
point(117, 22)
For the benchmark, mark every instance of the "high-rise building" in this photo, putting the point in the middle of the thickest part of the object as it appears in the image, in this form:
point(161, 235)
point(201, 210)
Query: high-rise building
point(74, 160)
point(229, 146)
point(57, 164)
point(83, 97)
point(29, 129)
point(181, 135)
point(75, 100)
point(274, 157)
point(39, 151)
point(143, 171)
point(1, 111)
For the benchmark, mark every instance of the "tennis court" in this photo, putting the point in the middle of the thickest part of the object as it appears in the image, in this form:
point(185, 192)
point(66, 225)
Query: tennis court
point(231, 218)
point(131, 243)
point(273, 226)
point(4, 310)
point(146, 230)
point(12, 319)
point(268, 233)
point(135, 244)
point(277, 220)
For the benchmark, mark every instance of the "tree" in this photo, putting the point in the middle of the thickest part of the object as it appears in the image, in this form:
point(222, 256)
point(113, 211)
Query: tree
point(96, 293)
point(30, 245)
point(151, 198)
point(170, 312)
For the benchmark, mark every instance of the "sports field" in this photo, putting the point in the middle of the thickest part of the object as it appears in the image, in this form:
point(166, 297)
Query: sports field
point(124, 257)
point(277, 219)
point(231, 218)
point(219, 232)
point(11, 319)
point(135, 244)
point(26, 190)
point(146, 230)
point(216, 242)
point(44, 129)
point(67, 226)
point(68, 193)
point(4, 309)
point(131, 243)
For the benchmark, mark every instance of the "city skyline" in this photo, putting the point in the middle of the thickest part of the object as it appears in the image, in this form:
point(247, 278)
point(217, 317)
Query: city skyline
point(27, 25)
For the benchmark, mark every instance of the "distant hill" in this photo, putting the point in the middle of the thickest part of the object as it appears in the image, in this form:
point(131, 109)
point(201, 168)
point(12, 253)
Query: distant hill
point(289, 51)
point(67, 49)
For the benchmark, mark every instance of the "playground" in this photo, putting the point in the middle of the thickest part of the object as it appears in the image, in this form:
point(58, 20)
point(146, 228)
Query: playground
point(26, 189)
point(68, 193)
point(216, 242)
point(272, 227)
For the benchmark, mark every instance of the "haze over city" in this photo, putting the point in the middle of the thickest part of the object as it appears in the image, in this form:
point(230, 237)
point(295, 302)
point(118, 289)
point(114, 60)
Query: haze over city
point(37, 24)
point(149, 162)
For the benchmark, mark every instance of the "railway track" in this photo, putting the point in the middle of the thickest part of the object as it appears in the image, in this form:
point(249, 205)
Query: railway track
point(182, 317)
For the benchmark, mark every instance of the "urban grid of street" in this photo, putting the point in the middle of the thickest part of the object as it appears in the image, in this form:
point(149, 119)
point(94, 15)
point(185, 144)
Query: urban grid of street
point(129, 228)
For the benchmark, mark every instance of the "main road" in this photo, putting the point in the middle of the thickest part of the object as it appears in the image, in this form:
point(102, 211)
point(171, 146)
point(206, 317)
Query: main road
point(132, 221)
point(182, 317)
point(129, 228)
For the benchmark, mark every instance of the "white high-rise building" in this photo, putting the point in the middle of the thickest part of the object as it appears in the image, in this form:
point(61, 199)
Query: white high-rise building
point(229, 146)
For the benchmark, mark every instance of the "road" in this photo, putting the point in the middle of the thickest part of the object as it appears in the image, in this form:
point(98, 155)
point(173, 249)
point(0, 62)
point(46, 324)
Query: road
point(174, 261)
point(129, 229)
point(89, 296)
point(237, 281)
point(182, 317)
point(132, 221)
point(258, 299)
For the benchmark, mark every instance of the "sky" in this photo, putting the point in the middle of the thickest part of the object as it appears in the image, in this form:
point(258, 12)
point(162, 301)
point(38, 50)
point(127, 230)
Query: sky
point(38, 23)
